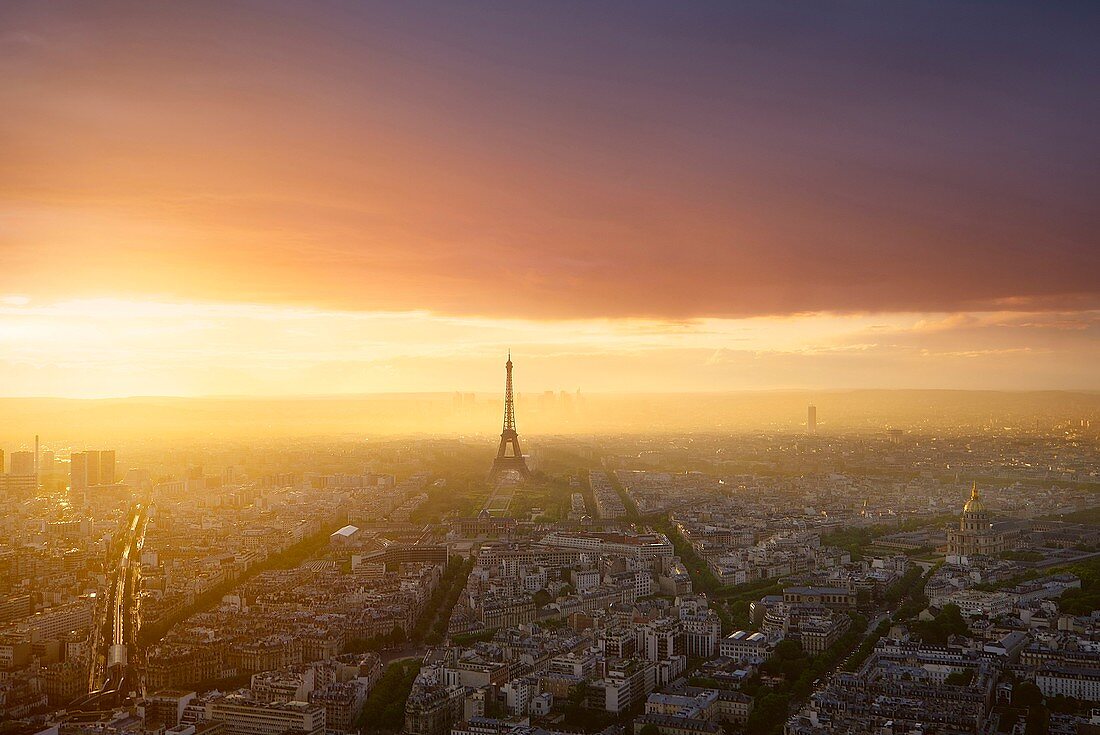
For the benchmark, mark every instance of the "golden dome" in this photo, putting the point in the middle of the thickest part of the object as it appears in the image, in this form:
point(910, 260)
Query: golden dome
point(975, 504)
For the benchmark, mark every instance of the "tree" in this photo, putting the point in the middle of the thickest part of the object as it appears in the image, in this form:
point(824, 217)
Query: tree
point(768, 713)
point(385, 707)
point(949, 621)
point(1038, 719)
point(578, 693)
point(1026, 694)
point(793, 668)
point(542, 598)
point(953, 621)
point(788, 649)
point(738, 614)
point(650, 729)
point(960, 678)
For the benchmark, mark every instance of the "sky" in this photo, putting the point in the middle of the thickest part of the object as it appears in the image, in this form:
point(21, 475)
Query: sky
point(272, 198)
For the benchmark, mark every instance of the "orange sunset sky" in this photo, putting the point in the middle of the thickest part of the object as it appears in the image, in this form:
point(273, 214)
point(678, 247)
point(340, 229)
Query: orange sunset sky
point(313, 198)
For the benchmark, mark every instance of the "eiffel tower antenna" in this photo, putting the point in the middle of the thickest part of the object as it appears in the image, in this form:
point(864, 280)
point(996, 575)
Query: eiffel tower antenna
point(509, 437)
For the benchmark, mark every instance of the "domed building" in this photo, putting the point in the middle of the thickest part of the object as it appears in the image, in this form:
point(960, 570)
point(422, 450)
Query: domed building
point(976, 535)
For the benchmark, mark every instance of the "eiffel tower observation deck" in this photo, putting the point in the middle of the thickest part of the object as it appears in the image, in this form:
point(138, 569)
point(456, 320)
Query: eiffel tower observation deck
point(509, 462)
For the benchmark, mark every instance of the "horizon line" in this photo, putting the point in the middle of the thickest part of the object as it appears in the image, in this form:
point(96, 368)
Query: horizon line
point(612, 394)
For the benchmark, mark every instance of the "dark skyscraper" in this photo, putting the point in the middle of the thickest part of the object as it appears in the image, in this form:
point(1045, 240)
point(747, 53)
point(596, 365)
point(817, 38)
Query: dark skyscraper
point(811, 419)
point(91, 468)
point(107, 467)
point(22, 463)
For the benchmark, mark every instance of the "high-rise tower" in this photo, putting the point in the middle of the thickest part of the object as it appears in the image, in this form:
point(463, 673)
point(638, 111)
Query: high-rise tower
point(509, 437)
point(811, 419)
point(22, 463)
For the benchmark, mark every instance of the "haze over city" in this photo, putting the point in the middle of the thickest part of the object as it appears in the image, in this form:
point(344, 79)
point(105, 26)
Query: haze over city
point(549, 368)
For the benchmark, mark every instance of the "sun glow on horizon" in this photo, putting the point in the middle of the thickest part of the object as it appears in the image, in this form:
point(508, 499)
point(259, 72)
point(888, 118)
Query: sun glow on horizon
point(197, 201)
point(118, 347)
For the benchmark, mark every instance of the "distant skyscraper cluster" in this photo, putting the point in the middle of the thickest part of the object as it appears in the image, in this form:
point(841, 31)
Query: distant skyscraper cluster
point(558, 401)
point(91, 468)
point(464, 401)
point(22, 474)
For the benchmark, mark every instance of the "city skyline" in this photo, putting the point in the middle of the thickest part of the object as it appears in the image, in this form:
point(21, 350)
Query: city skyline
point(649, 197)
point(642, 367)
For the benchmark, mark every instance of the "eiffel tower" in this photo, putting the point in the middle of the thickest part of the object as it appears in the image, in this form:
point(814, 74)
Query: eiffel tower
point(505, 462)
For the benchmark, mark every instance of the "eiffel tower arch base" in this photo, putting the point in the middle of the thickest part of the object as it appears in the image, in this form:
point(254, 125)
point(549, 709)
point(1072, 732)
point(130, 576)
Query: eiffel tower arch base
point(504, 465)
